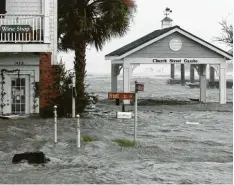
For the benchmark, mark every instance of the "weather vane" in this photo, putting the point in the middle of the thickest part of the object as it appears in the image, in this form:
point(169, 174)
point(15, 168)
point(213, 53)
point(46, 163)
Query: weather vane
point(167, 11)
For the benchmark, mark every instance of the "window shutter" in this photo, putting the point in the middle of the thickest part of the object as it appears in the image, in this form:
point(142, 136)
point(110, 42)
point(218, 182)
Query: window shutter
point(2, 6)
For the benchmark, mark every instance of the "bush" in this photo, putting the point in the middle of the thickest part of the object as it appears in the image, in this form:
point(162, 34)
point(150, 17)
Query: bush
point(125, 143)
point(87, 139)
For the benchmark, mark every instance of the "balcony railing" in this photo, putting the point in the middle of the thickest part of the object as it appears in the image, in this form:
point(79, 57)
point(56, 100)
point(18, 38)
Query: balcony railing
point(21, 28)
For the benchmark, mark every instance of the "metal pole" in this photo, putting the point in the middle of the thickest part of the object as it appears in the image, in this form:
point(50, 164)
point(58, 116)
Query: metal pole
point(135, 116)
point(73, 98)
point(78, 130)
point(55, 124)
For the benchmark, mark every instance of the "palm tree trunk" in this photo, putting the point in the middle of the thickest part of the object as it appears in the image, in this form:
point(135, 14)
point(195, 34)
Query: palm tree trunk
point(79, 66)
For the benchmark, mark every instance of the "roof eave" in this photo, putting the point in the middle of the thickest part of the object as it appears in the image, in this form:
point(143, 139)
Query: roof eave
point(111, 57)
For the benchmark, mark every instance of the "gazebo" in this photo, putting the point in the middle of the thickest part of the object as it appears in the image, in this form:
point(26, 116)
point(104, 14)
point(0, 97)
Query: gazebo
point(170, 45)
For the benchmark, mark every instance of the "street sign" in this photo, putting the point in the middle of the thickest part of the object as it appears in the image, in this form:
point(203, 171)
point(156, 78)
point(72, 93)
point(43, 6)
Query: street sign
point(139, 87)
point(120, 96)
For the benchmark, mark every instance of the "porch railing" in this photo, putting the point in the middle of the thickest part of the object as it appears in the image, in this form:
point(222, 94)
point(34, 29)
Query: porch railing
point(21, 28)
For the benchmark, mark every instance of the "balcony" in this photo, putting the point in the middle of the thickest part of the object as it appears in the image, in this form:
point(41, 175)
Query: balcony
point(21, 29)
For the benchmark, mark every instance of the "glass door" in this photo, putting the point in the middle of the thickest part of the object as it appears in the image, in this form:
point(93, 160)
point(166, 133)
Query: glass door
point(18, 95)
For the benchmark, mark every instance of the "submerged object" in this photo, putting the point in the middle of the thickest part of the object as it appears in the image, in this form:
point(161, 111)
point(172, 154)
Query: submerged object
point(194, 99)
point(192, 123)
point(31, 158)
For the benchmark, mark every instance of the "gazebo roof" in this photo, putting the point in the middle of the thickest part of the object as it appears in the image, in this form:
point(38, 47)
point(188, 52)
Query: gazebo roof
point(167, 19)
point(160, 33)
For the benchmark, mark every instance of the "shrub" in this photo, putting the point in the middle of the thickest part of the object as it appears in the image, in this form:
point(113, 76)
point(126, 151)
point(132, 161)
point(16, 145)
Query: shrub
point(87, 139)
point(125, 143)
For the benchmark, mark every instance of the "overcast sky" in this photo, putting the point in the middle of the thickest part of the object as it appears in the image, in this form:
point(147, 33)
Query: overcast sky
point(199, 17)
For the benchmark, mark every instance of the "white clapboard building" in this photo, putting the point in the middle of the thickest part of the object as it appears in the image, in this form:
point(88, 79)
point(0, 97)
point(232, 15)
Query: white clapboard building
point(28, 43)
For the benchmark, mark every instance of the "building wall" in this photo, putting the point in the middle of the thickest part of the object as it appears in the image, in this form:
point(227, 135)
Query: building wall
point(161, 49)
point(37, 68)
point(24, 6)
point(48, 75)
point(30, 8)
point(29, 67)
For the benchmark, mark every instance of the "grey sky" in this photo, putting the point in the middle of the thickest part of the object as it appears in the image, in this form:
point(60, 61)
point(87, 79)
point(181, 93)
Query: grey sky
point(199, 17)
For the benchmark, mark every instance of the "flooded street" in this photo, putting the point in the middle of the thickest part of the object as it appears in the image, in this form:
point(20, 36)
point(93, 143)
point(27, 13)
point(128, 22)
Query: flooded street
point(168, 150)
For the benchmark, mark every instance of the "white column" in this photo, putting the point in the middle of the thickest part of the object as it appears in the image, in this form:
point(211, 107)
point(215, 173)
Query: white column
point(46, 12)
point(55, 35)
point(127, 69)
point(114, 78)
point(222, 83)
point(203, 83)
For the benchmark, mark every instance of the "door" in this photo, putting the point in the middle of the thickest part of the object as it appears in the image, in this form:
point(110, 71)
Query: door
point(19, 94)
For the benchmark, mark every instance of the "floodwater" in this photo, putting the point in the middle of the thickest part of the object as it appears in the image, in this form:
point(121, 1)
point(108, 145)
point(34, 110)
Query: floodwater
point(168, 150)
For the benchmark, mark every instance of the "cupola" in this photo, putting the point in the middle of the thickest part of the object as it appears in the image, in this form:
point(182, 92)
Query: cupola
point(167, 22)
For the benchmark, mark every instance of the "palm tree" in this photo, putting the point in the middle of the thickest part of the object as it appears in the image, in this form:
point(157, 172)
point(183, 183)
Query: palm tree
point(90, 22)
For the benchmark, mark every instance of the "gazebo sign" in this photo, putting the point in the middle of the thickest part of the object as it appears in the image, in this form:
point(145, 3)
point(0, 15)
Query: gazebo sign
point(174, 60)
point(15, 28)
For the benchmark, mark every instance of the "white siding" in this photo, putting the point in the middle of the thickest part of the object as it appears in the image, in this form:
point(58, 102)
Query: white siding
point(24, 6)
point(161, 49)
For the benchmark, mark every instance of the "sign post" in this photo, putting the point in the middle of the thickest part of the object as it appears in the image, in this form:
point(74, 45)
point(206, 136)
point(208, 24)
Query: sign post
point(78, 131)
point(128, 96)
point(135, 116)
point(55, 124)
point(122, 96)
point(73, 96)
point(138, 87)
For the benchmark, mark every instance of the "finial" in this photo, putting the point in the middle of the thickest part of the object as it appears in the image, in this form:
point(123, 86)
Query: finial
point(167, 11)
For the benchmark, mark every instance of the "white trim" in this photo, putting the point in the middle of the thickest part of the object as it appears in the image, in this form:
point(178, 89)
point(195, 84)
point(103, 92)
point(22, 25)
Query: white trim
point(111, 57)
point(222, 84)
point(165, 35)
point(25, 48)
point(117, 62)
point(46, 7)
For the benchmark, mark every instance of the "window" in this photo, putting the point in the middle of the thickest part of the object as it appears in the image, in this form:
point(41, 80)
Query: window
point(2, 6)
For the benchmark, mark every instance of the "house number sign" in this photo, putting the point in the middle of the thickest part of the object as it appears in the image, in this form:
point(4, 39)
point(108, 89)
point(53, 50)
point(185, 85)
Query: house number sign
point(19, 63)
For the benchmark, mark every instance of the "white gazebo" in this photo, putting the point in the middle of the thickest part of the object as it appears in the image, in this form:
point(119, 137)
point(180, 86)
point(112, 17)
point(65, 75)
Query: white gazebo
point(170, 45)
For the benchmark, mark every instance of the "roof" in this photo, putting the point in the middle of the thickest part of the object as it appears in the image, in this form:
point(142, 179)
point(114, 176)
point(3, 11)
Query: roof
point(153, 35)
point(167, 19)
point(140, 41)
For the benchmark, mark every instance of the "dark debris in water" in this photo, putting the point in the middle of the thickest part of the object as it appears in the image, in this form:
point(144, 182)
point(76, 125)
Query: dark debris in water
point(31, 158)
point(148, 102)
point(152, 102)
